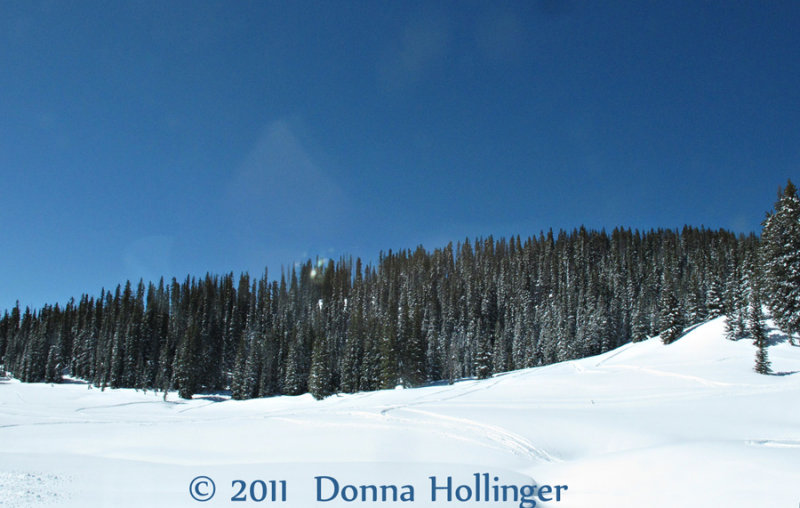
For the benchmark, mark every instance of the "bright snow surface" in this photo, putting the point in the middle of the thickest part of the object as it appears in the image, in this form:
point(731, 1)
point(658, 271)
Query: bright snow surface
point(646, 425)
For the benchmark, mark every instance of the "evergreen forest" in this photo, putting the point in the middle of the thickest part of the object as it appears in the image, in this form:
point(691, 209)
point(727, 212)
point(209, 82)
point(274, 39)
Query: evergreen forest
point(469, 309)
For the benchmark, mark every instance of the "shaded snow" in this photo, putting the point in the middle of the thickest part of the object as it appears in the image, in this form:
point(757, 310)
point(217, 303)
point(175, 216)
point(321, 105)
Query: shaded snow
point(688, 424)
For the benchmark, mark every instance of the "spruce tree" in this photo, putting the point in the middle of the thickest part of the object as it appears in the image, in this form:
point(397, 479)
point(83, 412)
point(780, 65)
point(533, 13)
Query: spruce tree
point(187, 360)
point(4, 333)
point(351, 359)
point(483, 360)
point(755, 326)
point(53, 368)
point(640, 326)
point(238, 381)
point(737, 296)
point(500, 350)
point(671, 319)
point(320, 380)
point(716, 306)
point(781, 253)
point(388, 375)
point(295, 379)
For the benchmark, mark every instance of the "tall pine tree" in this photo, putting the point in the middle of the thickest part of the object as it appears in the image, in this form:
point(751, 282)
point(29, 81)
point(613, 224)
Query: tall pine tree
point(671, 319)
point(781, 251)
point(758, 333)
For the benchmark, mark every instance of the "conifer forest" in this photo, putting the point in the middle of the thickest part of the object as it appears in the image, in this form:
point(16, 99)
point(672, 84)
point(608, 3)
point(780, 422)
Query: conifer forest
point(469, 309)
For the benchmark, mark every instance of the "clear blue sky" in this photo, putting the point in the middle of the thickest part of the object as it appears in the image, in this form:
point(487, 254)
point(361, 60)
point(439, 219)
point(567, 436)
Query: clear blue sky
point(149, 138)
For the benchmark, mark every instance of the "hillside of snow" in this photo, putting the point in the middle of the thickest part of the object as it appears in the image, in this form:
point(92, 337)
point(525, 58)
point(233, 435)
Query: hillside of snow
point(688, 424)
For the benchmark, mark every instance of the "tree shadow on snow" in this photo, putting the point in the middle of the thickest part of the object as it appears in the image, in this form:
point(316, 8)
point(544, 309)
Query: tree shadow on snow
point(784, 373)
point(211, 398)
point(775, 337)
point(221, 396)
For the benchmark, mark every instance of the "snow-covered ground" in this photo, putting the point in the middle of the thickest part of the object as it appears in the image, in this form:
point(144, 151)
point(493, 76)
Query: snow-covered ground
point(646, 425)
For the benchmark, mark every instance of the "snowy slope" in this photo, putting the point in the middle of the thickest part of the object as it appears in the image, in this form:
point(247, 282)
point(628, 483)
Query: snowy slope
point(689, 424)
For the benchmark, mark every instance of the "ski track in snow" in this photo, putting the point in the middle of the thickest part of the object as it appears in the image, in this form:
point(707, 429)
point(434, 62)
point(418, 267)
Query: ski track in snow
point(506, 440)
point(112, 406)
point(698, 379)
point(775, 443)
point(618, 352)
point(454, 427)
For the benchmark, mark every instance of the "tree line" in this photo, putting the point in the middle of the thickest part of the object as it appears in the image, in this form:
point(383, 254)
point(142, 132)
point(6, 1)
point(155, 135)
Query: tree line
point(475, 308)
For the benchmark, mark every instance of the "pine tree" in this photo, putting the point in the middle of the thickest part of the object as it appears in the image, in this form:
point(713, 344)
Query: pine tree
point(238, 382)
point(483, 360)
point(351, 358)
point(500, 350)
point(737, 296)
point(389, 376)
point(781, 252)
point(4, 333)
point(252, 370)
point(296, 377)
point(671, 319)
point(53, 368)
point(640, 327)
point(695, 311)
point(715, 303)
point(320, 380)
point(755, 326)
point(187, 376)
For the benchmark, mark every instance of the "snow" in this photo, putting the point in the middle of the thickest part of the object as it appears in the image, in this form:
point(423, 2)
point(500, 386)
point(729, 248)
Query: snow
point(686, 424)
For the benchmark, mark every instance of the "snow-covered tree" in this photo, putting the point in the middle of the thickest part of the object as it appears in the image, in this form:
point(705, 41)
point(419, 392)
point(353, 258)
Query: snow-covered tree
point(755, 325)
point(737, 295)
point(781, 253)
point(187, 375)
point(715, 305)
point(320, 383)
point(483, 359)
point(671, 320)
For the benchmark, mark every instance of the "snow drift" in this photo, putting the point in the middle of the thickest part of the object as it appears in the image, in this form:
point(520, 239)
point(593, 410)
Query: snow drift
point(688, 424)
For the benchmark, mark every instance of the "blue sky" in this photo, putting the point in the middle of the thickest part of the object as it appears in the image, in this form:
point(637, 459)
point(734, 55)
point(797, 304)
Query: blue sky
point(140, 139)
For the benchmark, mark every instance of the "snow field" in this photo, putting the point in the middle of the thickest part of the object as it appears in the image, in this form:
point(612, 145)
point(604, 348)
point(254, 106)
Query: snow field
point(688, 424)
